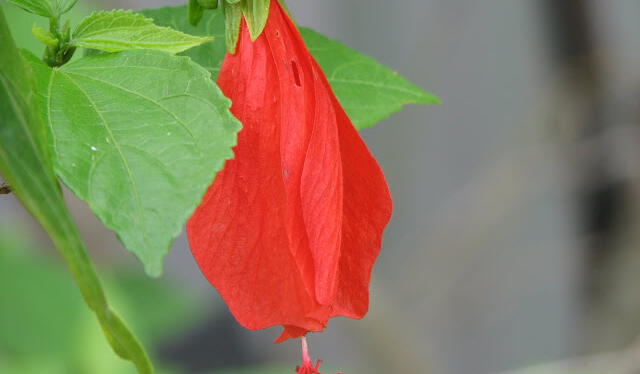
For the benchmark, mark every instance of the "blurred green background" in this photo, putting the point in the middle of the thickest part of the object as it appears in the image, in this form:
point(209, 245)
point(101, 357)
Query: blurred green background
point(47, 329)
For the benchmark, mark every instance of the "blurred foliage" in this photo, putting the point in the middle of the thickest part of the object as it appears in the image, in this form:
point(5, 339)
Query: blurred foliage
point(45, 327)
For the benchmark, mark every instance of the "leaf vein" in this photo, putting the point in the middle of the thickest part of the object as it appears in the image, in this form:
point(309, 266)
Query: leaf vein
point(125, 163)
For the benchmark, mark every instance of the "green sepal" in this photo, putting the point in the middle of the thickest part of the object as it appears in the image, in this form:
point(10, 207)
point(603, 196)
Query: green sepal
point(256, 12)
point(368, 91)
point(208, 4)
point(44, 36)
point(233, 20)
point(195, 12)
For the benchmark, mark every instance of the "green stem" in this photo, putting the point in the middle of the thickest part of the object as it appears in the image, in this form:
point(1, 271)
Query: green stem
point(61, 53)
point(53, 27)
point(124, 343)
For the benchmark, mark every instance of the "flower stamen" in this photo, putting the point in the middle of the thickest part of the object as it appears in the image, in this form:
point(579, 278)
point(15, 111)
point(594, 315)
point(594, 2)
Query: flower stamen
point(307, 363)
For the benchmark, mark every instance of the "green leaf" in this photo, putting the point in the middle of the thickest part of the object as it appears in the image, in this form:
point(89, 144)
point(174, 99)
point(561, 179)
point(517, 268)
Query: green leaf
point(256, 13)
point(139, 135)
point(208, 55)
point(39, 7)
point(26, 164)
point(63, 6)
point(368, 91)
point(120, 30)
point(45, 8)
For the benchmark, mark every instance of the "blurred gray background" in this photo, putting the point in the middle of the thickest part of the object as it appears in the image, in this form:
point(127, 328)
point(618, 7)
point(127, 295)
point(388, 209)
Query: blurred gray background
point(513, 241)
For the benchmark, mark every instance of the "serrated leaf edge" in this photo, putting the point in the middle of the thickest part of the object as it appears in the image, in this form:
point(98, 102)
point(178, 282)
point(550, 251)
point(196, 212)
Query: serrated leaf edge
point(152, 269)
point(78, 34)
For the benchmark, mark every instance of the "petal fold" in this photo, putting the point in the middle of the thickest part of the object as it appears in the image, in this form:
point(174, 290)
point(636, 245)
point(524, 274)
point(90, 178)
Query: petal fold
point(289, 231)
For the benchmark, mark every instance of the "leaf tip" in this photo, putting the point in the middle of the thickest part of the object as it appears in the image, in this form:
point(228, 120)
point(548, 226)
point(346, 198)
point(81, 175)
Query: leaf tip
point(153, 269)
point(432, 99)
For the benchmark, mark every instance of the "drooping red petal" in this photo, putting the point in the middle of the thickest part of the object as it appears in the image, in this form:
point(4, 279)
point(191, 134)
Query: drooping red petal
point(319, 186)
point(366, 212)
point(290, 229)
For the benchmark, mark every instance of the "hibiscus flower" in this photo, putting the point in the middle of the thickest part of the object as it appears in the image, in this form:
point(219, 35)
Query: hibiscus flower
point(291, 227)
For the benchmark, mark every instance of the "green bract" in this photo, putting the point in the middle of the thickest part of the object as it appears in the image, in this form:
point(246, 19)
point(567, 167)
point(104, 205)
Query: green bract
point(233, 20)
point(196, 11)
point(255, 12)
point(44, 36)
point(120, 30)
point(140, 136)
point(368, 91)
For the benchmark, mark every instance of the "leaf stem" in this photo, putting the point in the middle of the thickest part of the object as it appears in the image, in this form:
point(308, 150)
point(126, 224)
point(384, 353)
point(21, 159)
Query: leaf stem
point(122, 340)
point(62, 52)
point(53, 26)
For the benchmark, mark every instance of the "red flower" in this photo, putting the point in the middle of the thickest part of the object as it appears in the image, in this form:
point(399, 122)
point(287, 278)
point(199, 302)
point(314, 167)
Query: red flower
point(289, 231)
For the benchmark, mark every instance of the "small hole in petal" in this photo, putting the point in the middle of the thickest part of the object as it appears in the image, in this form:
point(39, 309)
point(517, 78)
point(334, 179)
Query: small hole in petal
point(296, 74)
